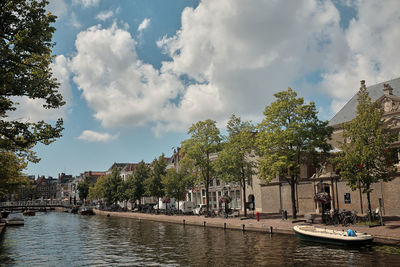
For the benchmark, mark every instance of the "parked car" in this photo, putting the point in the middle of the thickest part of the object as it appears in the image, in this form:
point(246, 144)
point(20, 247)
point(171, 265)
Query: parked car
point(186, 207)
point(199, 209)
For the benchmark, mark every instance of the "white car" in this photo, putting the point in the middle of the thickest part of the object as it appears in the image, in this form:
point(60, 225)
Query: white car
point(199, 209)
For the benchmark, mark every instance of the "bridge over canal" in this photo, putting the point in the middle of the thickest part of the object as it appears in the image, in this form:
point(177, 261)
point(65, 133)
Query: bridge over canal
point(34, 205)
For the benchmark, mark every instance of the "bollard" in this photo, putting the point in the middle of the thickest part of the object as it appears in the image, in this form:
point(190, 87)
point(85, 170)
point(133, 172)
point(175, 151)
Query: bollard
point(183, 222)
point(243, 227)
point(204, 224)
point(258, 216)
point(224, 226)
point(270, 229)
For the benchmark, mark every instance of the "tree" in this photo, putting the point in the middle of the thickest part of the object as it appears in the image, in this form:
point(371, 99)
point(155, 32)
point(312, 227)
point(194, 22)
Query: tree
point(113, 182)
point(205, 140)
point(25, 48)
point(234, 163)
point(98, 190)
point(83, 188)
point(366, 157)
point(135, 183)
point(10, 172)
point(290, 135)
point(153, 184)
point(176, 183)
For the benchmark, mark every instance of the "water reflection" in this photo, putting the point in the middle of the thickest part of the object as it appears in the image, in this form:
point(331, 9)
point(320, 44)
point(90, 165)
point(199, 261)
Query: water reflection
point(59, 239)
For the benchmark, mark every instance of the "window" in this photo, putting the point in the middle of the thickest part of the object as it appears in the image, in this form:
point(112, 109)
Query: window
point(218, 182)
point(211, 182)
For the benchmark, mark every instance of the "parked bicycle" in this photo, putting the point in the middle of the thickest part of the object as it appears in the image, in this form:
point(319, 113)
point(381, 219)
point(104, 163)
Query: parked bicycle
point(334, 217)
point(349, 217)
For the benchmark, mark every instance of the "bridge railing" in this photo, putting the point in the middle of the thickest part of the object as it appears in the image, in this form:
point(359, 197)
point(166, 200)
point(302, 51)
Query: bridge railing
point(33, 203)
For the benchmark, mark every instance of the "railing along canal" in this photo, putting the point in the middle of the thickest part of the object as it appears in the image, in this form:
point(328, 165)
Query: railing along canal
point(34, 203)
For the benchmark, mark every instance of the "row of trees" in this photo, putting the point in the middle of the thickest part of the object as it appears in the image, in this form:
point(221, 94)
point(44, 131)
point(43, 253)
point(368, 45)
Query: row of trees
point(155, 181)
point(289, 136)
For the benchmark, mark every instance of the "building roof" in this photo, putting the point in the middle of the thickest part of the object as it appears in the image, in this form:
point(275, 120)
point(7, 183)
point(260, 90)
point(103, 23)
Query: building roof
point(129, 167)
point(349, 111)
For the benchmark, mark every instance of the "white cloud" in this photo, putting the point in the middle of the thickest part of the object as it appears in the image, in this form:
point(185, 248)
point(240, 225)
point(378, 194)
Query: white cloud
point(92, 136)
point(372, 52)
point(236, 56)
point(32, 109)
point(144, 25)
point(234, 52)
point(105, 15)
point(86, 3)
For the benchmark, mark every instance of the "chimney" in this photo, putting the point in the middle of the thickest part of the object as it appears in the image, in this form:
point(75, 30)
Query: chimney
point(387, 89)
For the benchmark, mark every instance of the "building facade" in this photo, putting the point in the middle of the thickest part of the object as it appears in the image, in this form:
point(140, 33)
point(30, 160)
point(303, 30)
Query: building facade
point(275, 196)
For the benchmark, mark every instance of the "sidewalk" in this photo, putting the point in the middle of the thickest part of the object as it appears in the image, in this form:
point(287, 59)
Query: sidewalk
point(388, 234)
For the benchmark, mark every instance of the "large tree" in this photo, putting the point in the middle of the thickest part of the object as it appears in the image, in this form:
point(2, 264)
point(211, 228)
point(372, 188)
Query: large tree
point(235, 162)
point(289, 136)
point(83, 188)
point(25, 49)
point(113, 185)
point(176, 183)
point(135, 187)
point(204, 141)
point(153, 184)
point(366, 157)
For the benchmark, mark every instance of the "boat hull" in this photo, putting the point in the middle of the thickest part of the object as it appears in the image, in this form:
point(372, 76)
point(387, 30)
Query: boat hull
point(332, 237)
point(332, 241)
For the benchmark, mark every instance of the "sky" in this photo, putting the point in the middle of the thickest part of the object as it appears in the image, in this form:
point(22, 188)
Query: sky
point(136, 74)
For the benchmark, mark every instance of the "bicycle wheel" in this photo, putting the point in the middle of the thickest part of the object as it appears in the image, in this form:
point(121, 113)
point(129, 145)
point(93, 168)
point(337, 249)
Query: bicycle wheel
point(346, 221)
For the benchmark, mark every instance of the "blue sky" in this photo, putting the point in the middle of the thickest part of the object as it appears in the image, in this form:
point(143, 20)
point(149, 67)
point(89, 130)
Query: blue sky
point(136, 74)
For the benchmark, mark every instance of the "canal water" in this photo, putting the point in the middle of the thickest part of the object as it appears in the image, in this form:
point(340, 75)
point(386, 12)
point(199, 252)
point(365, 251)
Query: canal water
point(62, 239)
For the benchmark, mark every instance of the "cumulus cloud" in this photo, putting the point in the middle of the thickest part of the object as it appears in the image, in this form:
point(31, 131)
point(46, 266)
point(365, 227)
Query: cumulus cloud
point(86, 3)
point(372, 52)
point(144, 25)
point(92, 136)
point(105, 15)
point(231, 57)
point(32, 109)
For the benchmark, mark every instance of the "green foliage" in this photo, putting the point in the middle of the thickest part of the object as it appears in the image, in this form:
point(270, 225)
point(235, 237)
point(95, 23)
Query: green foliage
point(98, 190)
point(10, 172)
point(153, 184)
point(108, 187)
point(135, 183)
point(290, 135)
point(25, 48)
point(235, 163)
point(83, 188)
point(205, 140)
point(176, 183)
point(113, 185)
point(366, 157)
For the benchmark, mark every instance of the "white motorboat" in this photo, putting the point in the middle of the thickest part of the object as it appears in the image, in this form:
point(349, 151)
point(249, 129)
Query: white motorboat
point(15, 219)
point(322, 235)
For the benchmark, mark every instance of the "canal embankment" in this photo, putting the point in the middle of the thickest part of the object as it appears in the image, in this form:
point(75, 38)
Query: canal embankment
point(387, 234)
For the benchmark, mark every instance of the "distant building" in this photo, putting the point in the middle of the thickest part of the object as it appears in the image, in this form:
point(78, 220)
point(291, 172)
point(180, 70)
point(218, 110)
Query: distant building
point(46, 188)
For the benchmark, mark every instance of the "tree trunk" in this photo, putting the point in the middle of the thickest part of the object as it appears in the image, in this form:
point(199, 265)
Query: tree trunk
point(244, 197)
point(207, 197)
point(369, 206)
point(293, 196)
